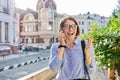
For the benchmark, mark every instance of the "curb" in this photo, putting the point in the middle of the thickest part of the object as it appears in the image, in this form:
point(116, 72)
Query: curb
point(22, 64)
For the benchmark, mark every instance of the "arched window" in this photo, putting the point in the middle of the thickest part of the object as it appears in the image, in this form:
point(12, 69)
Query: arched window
point(50, 12)
point(29, 17)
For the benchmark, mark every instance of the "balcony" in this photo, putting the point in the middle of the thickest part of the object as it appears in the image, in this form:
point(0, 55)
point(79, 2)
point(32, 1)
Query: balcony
point(29, 33)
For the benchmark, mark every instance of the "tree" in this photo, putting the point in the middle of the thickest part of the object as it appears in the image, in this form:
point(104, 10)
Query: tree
point(107, 42)
point(116, 12)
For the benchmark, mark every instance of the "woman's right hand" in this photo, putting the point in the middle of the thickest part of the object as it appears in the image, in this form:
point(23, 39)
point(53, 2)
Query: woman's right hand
point(61, 38)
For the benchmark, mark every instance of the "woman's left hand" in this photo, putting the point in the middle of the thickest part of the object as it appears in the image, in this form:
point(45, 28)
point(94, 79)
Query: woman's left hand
point(87, 51)
point(88, 46)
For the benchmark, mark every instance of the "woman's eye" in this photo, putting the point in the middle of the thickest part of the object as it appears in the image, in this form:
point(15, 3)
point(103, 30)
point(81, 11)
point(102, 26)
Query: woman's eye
point(66, 26)
point(75, 26)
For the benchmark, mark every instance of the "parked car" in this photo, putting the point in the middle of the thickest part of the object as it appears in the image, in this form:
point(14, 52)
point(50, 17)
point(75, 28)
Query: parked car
point(27, 48)
point(36, 49)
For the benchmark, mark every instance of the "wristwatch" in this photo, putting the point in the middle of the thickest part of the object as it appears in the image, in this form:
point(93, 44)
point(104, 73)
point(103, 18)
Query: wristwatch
point(62, 46)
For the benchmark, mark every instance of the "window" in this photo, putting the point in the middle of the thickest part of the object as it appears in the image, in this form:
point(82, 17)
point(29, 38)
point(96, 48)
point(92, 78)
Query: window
point(89, 23)
point(50, 12)
point(0, 2)
point(51, 40)
point(6, 32)
point(82, 23)
point(25, 28)
point(39, 26)
point(30, 28)
point(82, 31)
point(5, 3)
point(5, 6)
point(34, 40)
point(0, 31)
point(50, 26)
point(35, 28)
point(13, 32)
point(29, 40)
point(79, 23)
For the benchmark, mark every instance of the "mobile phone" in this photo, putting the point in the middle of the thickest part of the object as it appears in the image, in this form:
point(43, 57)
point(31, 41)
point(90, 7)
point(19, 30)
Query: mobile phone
point(62, 31)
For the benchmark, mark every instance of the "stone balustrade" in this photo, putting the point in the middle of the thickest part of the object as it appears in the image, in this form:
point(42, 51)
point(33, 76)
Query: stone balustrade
point(47, 74)
point(44, 74)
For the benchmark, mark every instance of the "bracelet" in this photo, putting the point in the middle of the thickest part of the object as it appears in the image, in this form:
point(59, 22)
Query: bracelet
point(61, 46)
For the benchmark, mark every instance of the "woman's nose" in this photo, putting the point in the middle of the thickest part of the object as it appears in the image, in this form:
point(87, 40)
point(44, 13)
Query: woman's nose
point(70, 28)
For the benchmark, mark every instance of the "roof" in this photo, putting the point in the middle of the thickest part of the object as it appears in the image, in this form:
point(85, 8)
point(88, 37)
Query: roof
point(24, 12)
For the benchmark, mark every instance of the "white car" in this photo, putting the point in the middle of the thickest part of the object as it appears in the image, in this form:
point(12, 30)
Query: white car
point(42, 47)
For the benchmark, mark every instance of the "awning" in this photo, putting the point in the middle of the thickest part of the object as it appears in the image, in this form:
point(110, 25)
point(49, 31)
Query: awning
point(4, 48)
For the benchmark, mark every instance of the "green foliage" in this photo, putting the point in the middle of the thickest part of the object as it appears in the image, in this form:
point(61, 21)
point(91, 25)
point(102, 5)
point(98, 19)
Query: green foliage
point(106, 42)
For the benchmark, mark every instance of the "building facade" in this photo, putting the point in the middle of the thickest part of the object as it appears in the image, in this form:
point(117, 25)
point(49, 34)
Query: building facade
point(40, 27)
point(86, 21)
point(7, 25)
point(36, 28)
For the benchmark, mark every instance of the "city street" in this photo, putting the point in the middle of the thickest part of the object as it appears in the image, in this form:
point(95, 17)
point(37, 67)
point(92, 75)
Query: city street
point(17, 72)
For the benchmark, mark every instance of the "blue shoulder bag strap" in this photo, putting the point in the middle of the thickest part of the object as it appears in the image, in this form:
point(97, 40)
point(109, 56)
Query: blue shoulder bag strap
point(83, 48)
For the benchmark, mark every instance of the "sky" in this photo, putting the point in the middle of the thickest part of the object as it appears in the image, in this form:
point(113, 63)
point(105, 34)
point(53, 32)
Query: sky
point(75, 7)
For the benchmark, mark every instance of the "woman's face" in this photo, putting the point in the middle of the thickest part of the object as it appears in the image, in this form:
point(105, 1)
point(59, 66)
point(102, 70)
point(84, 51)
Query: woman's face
point(70, 29)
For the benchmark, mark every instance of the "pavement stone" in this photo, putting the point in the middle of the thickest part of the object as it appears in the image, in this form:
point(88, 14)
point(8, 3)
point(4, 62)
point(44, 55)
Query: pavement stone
point(10, 56)
point(100, 74)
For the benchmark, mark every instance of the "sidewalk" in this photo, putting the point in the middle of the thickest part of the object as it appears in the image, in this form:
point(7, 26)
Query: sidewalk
point(10, 56)
point(101, 74)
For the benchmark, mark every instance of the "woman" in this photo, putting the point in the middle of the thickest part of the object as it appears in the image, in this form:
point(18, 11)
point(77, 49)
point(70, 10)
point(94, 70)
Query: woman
point(66, 56)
